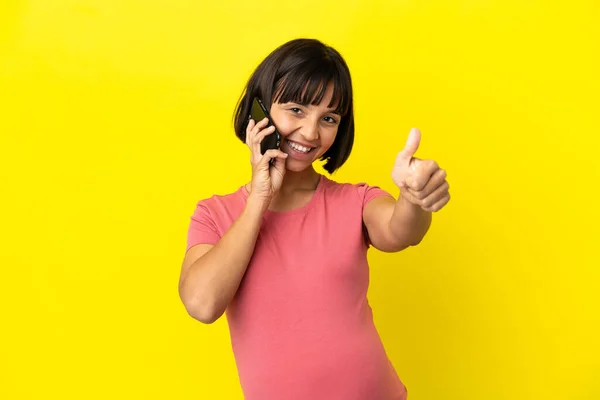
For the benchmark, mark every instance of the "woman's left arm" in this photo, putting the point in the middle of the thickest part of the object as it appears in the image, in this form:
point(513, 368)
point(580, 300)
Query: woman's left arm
point(394, 225)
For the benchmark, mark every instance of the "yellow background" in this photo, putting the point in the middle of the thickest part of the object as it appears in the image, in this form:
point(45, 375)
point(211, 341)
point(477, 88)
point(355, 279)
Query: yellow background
point(116, 118)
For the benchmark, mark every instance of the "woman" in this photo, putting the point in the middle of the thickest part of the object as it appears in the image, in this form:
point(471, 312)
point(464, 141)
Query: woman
point(286, 254)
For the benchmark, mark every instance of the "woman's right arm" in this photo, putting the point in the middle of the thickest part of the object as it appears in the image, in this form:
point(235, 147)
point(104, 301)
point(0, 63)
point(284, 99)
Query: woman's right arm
point(211, 275)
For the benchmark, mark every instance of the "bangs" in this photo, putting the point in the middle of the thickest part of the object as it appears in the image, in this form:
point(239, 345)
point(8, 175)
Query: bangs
point(307, 84)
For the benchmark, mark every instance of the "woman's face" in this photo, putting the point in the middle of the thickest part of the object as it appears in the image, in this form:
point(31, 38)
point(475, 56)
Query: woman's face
point(307, 131)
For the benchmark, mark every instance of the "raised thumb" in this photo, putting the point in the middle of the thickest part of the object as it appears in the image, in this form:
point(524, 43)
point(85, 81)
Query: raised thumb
point(412, 144)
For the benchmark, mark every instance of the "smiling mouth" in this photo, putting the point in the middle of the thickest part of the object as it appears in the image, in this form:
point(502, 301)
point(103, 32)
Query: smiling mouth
point(299, 148)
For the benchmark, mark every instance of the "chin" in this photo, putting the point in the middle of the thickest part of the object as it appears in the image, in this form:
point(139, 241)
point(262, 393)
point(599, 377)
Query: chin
point(297, 166)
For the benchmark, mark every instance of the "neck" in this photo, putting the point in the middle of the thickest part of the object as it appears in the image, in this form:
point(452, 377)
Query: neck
point(293, 181)
point(303, 180)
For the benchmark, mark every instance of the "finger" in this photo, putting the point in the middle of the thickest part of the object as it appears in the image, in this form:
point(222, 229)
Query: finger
point(253, 142)
point(260, 125)
point(437, 179)
point(258, 138)
point(438, 205)
point(249, 129)
point(412, 145)
point(436, 196)
point(410, 197)
point(254, 127)
point(423, 171)
point(270, 154)
point(280, 164)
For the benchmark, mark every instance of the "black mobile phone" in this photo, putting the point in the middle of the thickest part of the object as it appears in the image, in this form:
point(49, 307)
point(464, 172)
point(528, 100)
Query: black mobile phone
point(258, 112)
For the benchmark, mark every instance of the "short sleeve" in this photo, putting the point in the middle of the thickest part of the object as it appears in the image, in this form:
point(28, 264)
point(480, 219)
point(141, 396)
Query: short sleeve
point(202, 228)
point(368, 193)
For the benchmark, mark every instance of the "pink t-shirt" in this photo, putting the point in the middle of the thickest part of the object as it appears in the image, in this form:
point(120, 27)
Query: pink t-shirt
point(301, 326)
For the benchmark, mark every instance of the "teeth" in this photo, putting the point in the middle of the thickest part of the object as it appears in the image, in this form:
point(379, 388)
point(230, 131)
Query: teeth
point(298, 147)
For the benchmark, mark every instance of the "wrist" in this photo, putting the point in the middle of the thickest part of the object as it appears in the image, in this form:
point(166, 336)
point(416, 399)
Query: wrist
point(405, 202)
point(406, 210)
point(409, 221)
point(256, 205)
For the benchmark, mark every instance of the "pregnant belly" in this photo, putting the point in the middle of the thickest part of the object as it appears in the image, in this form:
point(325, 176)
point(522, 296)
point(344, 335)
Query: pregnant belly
point(351, 367)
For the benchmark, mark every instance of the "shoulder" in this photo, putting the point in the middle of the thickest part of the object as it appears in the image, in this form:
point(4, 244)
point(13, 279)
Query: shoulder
point(360, 192)
point(218, 198)
point(217, 204)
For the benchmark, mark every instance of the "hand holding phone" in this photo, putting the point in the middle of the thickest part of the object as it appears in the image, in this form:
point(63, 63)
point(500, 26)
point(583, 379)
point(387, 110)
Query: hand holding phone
point(268, 161)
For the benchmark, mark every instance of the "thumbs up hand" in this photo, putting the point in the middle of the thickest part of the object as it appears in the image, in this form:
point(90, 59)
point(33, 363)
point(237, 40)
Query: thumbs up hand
point(421, 182)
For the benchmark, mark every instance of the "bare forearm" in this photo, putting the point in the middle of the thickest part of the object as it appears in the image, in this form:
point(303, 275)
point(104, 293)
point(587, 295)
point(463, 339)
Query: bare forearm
point(214, 278)
point(409, 222)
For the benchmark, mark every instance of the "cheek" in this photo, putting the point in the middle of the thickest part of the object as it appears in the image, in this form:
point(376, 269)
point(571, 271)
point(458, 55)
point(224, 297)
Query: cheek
point(285, 126)
point(328, 137)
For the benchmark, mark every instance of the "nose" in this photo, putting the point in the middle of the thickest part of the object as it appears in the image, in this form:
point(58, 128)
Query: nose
point(310, 131)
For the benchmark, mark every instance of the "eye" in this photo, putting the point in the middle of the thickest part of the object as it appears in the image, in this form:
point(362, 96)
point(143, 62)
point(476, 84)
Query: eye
point(295, 110)
point(330, 120)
